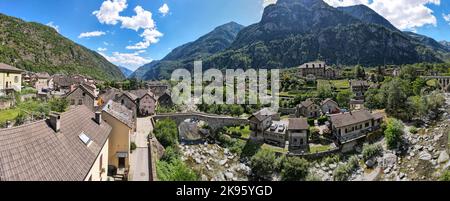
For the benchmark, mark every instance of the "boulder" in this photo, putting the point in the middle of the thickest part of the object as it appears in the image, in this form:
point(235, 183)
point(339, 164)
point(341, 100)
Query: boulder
point(389, 160)
point(370, 163)
point(443, 157)
point(229, 176)
point(424, 155)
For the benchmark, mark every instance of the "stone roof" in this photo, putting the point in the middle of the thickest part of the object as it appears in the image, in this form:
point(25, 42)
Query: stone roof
point(298, 124)
point(43, 75)
point(141, 93)
point(263, 114)
point(8, 68)
point(315, 63)
point(86, 89)
point(35, 152)
point(120, 113)
point(350, 118)
point(130, 96)
point(308, 102)
point(328, 100)
point(110, 94)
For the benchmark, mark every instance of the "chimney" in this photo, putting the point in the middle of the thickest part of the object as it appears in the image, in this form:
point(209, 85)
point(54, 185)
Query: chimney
point(98, 117)
point(55, 121)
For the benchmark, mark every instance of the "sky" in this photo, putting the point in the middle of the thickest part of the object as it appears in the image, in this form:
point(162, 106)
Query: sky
point(131, 33)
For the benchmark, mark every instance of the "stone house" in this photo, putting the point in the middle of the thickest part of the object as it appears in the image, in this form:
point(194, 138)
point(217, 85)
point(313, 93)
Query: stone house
point(120, 119)
point(351, 126)
point(298, 134)
point(356, 104)
point(165, 100)
point(146, 102)
point(72, 146)
point(308, 109)
point(276, 133)
point(317, 69)
point(83, 95)
point(359, 88)
point(329, 106)
point(42, 81)
point(261, 121)
point(129, 100)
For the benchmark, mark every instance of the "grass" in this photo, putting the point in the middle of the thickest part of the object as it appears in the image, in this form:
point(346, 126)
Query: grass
point(27, 107)
point(274, 148)
point(245, 132)
point(341, 84)
point(9, 114)
point(319, 148)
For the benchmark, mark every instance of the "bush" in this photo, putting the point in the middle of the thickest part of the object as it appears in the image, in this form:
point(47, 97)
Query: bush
point(322, 120)
point(393, 133)
point(413, 130)
point(343, 172)
point(263, 163)
point(132, 147)
point(171, 154)
point(333, 159)
point(370, 151)
point(58, 104)
point(315, 134)
point(20, 119)
point(445, 176)
point(166, 131)
point(175, 170)
point(311, 121)
point(294, 169)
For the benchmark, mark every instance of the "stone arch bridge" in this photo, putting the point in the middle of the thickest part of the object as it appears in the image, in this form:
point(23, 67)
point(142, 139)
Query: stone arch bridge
point(214, 121)
point(443, 82)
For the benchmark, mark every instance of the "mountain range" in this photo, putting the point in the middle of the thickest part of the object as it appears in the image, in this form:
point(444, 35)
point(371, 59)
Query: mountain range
point(39, 48)
point(292, 32)
point(125, 71)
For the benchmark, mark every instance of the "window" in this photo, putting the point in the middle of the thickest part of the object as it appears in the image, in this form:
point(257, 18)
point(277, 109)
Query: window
point(80, 102)
point(101, 164)
point(84, 138)
point(16, 79)
point(7, 74)
point(301, 141)
point(122, 102)
point(367, 124)
point(72, 102)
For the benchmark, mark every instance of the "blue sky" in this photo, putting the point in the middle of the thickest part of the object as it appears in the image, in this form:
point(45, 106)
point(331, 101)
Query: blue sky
point(131, 36)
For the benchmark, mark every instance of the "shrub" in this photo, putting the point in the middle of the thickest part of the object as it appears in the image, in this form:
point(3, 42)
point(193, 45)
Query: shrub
point(315, 133)
point(413, 130)
point(445, 176)
point(20, 119)
point(343, 172)
point(132, 147)
point(393, 133)
point(311, 121)
point(166, 131)
point(322, 120)
point(175, 170)
point(370, 151)
point(294, 169)
point(263, 163)
point(171, 154)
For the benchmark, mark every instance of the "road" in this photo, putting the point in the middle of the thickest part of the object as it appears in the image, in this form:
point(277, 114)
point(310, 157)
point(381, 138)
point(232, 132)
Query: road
point(139, 157)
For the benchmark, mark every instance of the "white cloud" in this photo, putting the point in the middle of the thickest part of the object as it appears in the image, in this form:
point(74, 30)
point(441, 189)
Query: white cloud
point(404, 14)
point(91, 34)
point(142, 20)
point(52, 25)
point(109, 13)
point(164, 9)
point(132, 60)
point(268, 2)
point(446, 17)
point(101, 49)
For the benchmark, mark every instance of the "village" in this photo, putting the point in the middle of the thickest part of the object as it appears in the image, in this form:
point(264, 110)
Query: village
point(334, 124)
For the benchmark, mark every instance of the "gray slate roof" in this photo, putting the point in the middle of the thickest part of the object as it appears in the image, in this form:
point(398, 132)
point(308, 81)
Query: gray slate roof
point(8, 68)
point(350, 118)
point(120, 112)
point(34, 152)
point(298, 124)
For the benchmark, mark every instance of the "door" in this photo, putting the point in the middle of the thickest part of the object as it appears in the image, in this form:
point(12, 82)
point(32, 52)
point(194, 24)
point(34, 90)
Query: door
point(121, 162)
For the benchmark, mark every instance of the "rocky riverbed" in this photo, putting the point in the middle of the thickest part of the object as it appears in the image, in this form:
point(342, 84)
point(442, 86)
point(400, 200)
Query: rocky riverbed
point(215, 163)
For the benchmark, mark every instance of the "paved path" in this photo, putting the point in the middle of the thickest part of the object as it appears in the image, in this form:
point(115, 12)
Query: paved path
point(140, 158)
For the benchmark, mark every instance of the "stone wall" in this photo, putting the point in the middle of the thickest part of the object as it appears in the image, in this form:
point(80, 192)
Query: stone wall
point(315, 155)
